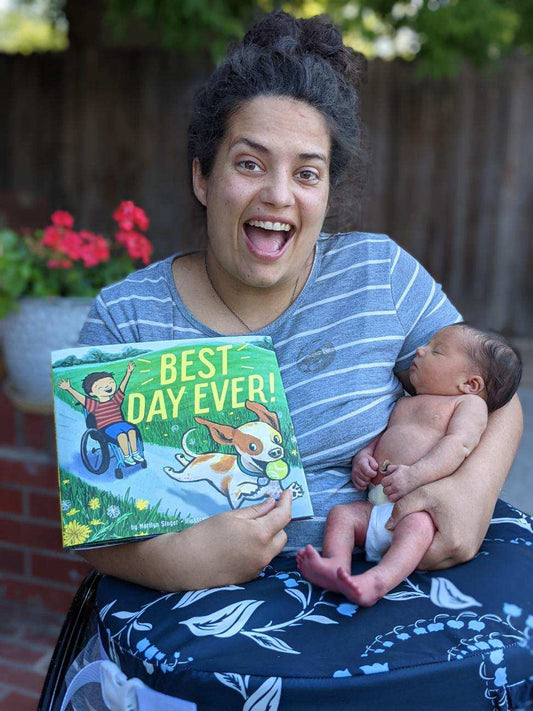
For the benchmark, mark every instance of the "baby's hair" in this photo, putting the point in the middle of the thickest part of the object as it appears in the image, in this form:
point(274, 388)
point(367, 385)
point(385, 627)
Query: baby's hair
point(499, 363)
point(282, 56)
point(91, 379)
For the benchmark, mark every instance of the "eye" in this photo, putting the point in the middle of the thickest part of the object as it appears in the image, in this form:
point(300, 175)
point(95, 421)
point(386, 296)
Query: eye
point(277, 439)
point(252, 447)
point(308, 176)
point(249, 165)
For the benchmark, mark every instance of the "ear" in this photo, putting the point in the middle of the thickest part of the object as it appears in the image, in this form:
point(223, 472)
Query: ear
point(199, 182)
point(473, 385)
point(222, 434)
point(263, 414)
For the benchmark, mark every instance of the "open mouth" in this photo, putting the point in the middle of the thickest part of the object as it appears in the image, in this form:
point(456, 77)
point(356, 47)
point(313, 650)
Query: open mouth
point(266, 239)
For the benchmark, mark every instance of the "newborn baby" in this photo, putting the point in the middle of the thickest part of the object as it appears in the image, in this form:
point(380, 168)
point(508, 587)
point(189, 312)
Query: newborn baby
point(460, 376)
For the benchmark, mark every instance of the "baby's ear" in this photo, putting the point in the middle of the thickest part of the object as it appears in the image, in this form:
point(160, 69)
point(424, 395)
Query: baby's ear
point(474, 385)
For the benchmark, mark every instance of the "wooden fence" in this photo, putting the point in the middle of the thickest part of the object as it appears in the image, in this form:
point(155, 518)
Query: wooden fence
point(451, 174)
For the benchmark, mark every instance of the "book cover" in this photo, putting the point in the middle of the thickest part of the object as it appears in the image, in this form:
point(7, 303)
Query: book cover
point(154, 437)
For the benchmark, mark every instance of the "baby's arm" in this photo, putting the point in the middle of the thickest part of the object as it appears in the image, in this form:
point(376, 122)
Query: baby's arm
point(465, 428)
point(364, 466)
point(65, 385)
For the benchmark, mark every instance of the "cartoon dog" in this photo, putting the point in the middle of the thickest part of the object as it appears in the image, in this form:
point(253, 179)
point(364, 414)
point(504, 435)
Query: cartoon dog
point(243, 476)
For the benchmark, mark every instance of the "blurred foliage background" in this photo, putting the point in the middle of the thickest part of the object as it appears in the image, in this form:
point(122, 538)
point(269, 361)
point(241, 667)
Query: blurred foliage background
point(439, 35)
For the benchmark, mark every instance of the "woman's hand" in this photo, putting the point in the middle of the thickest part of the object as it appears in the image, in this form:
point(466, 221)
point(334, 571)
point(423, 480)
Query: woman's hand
point(462, 504)
point(233, 547)
point(229, 548)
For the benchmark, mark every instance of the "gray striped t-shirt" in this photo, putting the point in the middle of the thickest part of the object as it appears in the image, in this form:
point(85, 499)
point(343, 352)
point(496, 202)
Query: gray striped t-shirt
point(366, 306)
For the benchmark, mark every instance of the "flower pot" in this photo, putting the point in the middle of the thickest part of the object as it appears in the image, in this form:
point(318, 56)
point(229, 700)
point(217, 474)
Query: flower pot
point(39, 326)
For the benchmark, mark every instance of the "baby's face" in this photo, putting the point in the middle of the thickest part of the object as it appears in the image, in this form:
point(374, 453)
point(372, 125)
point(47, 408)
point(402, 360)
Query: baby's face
point(442, 365)
point(104, 389)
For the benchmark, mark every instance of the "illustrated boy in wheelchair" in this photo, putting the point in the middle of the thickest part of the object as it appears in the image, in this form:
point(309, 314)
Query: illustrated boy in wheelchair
point(107, 427)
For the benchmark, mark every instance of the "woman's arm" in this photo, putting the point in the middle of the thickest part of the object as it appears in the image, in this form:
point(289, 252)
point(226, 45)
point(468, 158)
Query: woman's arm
point(462, 504)
point(226, 549)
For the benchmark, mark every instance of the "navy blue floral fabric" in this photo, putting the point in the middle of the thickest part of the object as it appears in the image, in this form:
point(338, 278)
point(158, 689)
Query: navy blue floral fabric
point(454, 639)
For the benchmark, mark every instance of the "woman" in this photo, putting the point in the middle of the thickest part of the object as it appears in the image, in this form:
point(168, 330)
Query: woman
point(272, 133)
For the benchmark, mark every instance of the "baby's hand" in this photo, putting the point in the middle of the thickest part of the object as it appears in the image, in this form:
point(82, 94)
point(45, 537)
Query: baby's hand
point(364, 469)
point(398, 481)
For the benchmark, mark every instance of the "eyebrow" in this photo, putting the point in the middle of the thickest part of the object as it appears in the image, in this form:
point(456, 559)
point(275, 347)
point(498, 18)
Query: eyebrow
point(263, 149)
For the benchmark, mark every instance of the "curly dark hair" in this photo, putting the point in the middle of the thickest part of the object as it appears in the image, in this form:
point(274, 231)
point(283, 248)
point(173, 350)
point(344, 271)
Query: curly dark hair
point(499, 363)
point(302, 59)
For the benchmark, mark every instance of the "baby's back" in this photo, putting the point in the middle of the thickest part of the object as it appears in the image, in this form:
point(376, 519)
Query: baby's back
point(415, 426)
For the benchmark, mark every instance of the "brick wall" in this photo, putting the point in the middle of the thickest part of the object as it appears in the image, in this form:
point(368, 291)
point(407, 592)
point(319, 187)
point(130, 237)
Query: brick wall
point(34, 567)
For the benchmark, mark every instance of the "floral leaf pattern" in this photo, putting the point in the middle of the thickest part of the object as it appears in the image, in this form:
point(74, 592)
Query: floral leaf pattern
point(189, 598)
point(234, 681)
point(444, 593)
point(269, 642)
point(225, 622)
point(266, 698)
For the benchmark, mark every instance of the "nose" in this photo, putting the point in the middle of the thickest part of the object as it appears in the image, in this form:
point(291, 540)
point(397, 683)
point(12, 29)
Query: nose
point(420, 351)
point(277, 189)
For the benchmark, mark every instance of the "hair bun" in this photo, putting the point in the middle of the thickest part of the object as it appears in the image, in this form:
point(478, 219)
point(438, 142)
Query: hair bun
point(314, 36)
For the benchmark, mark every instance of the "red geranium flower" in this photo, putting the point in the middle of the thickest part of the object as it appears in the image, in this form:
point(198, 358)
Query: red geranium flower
point(138, 246)
point(94, 248)
point(128, 215)
point(52, 237)
point(60, 218)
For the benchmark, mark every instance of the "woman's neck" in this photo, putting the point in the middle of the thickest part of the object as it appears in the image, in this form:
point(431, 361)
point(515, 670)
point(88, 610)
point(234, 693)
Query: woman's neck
point(229, 307)
point(252, 307)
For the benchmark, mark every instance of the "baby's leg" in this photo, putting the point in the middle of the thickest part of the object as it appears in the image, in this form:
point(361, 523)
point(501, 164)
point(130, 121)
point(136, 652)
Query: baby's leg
point(346, 526)
point(411, 539)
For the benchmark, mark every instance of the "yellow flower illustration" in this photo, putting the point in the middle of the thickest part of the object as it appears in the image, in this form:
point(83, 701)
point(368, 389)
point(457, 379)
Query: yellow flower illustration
point(141, 504)
point(142, 533)
point(94, 503)
point(73, 512)
point(74, 534)
point(96, 522)
point(66, 481)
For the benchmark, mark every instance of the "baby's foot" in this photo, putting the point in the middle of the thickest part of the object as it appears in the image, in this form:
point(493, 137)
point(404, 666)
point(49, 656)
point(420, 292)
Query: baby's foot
point(365, 589)
point(318, 570)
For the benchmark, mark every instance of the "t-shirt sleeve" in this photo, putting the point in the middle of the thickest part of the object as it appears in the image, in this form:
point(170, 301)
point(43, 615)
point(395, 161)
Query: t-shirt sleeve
point(99, 329)
point(422, 308)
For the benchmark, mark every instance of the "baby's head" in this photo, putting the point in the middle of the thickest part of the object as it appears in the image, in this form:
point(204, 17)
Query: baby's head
point(463, 359)
point(101, 386)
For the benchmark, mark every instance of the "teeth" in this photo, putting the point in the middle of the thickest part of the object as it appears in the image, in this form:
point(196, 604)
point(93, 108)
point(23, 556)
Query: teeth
point(275, 226)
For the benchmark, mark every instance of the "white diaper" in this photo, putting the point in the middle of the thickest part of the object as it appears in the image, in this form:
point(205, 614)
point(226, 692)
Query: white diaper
point(378, 539)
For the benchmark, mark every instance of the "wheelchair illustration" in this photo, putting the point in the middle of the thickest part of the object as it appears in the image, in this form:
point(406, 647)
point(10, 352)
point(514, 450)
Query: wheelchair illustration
point(98, 449)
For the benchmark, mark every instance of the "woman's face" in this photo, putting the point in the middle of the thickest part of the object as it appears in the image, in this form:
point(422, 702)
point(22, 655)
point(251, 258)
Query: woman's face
point(267, 195)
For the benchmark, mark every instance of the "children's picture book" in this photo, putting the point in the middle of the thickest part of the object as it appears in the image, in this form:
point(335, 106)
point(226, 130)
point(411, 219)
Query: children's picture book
point(155, 437)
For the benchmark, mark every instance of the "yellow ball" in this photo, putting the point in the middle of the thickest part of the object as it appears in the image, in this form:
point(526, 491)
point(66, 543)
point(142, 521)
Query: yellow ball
point(277, 470)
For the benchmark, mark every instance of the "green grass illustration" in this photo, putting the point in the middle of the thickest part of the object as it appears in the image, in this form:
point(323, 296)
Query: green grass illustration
point(90, 514)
